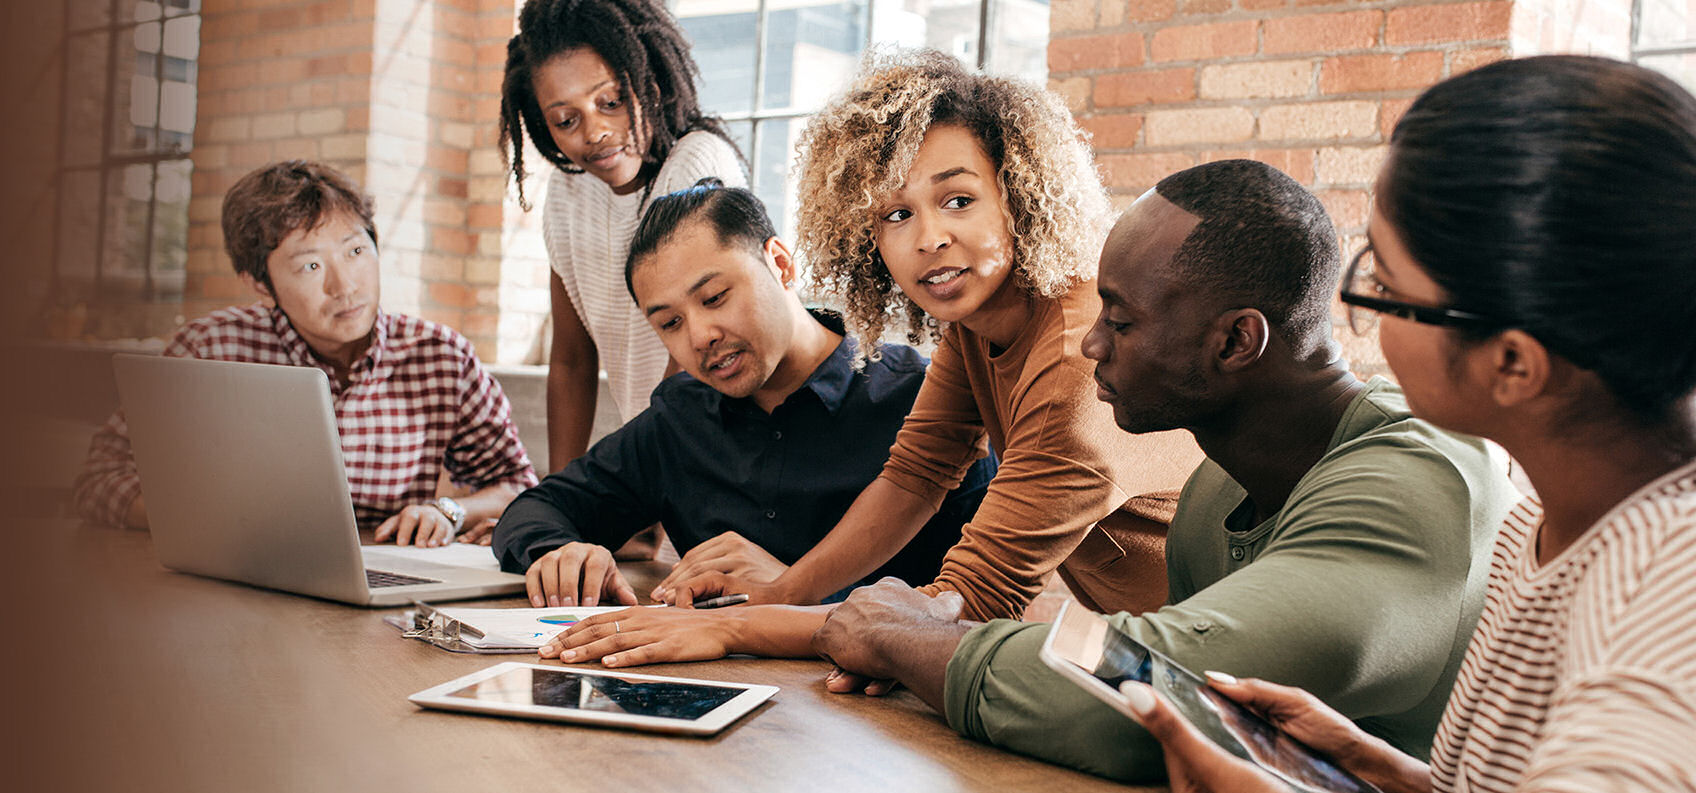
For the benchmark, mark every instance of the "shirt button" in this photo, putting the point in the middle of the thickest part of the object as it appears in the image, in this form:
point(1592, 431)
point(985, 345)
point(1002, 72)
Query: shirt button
point(1237, 552)
point(1202, 626)
point(770, 514)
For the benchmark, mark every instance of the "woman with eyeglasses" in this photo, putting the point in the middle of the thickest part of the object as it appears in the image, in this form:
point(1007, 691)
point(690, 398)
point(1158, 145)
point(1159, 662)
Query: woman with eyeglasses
point(1532, 270)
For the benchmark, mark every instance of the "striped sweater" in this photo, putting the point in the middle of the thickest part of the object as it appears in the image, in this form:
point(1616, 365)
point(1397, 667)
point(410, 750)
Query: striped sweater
point(1582, 673)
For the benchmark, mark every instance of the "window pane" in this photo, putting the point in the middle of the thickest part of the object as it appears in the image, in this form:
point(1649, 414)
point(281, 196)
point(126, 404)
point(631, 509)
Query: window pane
point(1663, 22)
point(721, 34)
point(136, 108)
point(1680, 67)
point(125, 264)
point(170, 227)
point(811, 49)
point(947, 25)
point(771, 170)
point(85, 104)
point(740, 131)
point(182, 38)
point(1018, 44)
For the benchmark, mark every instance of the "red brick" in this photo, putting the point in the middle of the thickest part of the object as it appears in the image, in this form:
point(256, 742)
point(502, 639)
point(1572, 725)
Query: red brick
point(1261, 5)
point(1319, 121)
point(480, 323)
point(484, 216)
point(457, 188)
point(1389, 112)
point(1352, 30)
point(449, 240)
point(1350, 165)
point(1145, 10)
point(1142, 170)
point(1349, 74)
point(1485, 21)
point(1257, 79)
point(1463, 61)
point(1204, 6)
point(449, 294)
point(1348, 208)
point(1144, 87)
point(1205, 42)
point(442, 268)
point(1298, 163)
point(1077, 53)
point(1118, 131)
point(1190, 126)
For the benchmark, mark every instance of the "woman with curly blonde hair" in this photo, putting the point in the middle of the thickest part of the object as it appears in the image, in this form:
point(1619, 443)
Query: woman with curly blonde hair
point(970, 204)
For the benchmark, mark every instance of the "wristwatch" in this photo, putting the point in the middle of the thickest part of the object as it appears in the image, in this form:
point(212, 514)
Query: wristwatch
point(454, 512)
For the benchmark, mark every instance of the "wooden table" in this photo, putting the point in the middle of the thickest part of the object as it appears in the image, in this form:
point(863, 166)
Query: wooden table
point(134, 678)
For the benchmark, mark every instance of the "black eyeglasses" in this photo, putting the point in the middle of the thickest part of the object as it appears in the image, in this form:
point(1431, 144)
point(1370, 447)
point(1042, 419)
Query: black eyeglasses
point(1360, 290)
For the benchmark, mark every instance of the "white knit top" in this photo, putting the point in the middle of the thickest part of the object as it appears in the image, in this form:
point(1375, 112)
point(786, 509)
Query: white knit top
point(1581, 676)
point(587, 229)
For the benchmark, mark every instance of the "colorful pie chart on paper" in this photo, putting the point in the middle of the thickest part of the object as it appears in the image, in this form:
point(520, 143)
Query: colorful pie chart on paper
point(559, 619)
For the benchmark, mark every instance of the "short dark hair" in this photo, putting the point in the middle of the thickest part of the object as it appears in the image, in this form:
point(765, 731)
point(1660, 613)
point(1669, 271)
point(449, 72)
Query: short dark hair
point(1263, 239)
point(642, 45)
point(273, 202)
point(1557, 194)
point(735, 214)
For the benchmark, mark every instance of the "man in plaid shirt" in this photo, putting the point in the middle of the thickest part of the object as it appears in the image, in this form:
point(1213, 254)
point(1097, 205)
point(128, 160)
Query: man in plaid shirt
point(411, 399)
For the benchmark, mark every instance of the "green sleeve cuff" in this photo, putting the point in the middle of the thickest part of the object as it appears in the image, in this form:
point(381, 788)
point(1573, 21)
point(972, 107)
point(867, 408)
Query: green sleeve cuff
point(999, 691)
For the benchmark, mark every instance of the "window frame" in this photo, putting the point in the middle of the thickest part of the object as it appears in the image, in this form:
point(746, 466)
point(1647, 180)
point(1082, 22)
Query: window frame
point(108, 34)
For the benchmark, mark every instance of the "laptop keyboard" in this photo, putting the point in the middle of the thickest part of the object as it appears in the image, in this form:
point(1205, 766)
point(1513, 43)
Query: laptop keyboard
point(376, 579)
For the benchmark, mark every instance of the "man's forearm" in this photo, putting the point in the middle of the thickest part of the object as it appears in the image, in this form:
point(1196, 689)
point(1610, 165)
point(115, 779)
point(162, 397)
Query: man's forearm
point(881, 521)
point(918, 654)
point(487, 503)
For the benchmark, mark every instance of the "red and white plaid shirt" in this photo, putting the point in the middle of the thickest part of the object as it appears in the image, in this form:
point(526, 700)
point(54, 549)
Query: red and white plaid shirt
point(416, 403)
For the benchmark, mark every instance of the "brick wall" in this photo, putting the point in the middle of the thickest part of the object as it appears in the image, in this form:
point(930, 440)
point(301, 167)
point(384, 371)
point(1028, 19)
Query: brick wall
point(401, 94)
point(1312, 87)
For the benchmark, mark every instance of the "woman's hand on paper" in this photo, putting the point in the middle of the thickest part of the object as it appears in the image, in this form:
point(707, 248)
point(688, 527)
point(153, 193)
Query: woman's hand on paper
point(647, 636)
point(730, 554)
point(577, 574)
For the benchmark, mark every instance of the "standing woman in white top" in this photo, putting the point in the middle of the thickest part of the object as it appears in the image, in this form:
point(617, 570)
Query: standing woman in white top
point(605, 91)
point(1533, 258)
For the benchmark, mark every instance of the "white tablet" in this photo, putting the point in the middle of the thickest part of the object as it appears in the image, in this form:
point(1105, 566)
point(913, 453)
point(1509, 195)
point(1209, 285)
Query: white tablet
point(599, 698)
point(1089, 651)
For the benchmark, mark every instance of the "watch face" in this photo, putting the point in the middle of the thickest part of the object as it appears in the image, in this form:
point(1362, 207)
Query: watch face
point(451, 508)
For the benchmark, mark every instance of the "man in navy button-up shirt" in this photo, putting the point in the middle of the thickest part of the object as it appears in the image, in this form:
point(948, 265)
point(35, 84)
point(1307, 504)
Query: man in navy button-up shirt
point(763, 441)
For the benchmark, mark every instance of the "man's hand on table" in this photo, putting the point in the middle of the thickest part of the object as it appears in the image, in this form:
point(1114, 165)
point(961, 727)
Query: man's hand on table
point(891, 632)
point(423, 525)
point(728, 554)
point(576, 574)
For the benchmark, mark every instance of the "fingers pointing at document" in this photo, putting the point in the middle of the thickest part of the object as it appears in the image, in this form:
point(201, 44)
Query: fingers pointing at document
point(577, 574)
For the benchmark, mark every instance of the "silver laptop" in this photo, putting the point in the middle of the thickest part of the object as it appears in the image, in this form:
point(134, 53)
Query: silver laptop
point(241, 466)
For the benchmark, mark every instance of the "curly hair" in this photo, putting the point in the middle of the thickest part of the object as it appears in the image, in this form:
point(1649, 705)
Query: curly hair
point(858, 149)
point(642, 45)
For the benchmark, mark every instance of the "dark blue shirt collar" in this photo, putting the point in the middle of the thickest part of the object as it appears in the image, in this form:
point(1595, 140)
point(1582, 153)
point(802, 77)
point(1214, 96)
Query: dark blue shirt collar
point(829, 382)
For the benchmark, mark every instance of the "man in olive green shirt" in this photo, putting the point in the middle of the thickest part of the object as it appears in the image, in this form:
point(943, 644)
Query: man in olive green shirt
point(1330, 540)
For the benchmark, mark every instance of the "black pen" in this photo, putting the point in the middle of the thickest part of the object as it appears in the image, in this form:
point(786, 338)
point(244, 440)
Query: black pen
point(721, 601)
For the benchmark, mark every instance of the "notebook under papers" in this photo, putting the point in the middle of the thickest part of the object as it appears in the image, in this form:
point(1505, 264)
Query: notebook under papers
point(241, 466)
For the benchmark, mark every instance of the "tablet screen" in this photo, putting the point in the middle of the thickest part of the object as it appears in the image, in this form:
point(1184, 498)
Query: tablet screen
point(563, 688)
point(1091, 643)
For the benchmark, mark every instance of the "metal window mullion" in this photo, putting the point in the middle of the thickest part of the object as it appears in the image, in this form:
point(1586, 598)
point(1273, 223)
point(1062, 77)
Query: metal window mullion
point(59, 156)
point(153, 185)
point(106, 150)
point(1668, 49)
point(983, 34)
point(754, 124)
